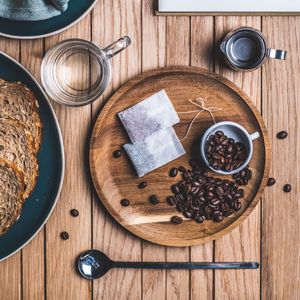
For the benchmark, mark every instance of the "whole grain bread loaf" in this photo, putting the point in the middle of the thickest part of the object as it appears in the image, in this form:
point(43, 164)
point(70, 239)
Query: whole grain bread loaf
point(16, 146)
point(17, 102)
point(11, 195)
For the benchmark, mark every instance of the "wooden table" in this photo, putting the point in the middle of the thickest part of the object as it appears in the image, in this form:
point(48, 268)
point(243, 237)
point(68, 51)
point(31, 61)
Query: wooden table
point(44, 269)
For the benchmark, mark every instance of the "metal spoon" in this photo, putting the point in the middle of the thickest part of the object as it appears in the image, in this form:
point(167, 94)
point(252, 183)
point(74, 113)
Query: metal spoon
point(94, 264)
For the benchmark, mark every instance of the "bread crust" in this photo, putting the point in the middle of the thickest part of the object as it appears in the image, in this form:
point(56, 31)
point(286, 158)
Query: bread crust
point(19, 204)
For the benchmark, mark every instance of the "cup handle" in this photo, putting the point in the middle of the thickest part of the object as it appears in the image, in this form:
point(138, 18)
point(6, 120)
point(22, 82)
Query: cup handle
point(222, 47)
point(277, 54)
point(117, 46)
point(254, 136)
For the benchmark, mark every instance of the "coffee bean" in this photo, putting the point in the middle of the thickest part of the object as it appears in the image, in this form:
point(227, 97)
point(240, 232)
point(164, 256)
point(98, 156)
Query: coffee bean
point(217, 217)
point(153, 199)
point(200, 219)
point(175, 189)
point(117, 153)
point(64, 235)
point(187, 214)
point(171, 201)
point(282, 135)
point(173, 172)
point(181, 169)
point(142, 184)
point(125, 202)
point(237, 206)
point(271, 181)
point(74, 212)
point(219, 133)
point(176, 220)
point(287, 188)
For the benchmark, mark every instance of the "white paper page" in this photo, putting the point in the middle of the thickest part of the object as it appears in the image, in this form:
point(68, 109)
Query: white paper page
point(229, 6)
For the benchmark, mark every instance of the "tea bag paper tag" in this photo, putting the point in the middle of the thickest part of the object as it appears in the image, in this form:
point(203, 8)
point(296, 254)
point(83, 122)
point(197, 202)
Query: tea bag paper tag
point(148, 116)
point(154, 151)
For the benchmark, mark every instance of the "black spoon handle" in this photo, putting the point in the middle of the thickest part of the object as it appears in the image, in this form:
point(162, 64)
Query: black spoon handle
point(186, 265)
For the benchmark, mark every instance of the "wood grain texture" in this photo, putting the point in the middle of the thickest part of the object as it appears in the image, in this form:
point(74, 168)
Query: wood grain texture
point(158, 42)
point(202, 55)
point(244, 242)
point(154, 34)
point(62, 281)
point(11, 268)
point(118, 18)
point(33, 259)
point(178, 33)
point(281, 100)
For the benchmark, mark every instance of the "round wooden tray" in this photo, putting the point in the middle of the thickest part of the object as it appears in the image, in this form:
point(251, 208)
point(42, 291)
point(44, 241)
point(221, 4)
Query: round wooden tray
point(115, 179)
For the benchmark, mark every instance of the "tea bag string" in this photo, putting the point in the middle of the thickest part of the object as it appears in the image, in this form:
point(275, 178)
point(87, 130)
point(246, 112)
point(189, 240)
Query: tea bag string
point(200, 103)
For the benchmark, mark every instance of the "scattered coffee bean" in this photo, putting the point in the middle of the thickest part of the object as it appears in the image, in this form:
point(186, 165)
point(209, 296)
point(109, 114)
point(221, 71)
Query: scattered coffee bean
point(224, 153)
point(171, 200)
point(173, 172)
point(287, 188)
point(198, 196)
point(271, 181)
point(176, 220)
point(282, 135)
point(64, 235)
point(153, 199)
point(175, 189)
point(125, 202)
point(117, 153)
point(74, 212)
point(142, 184)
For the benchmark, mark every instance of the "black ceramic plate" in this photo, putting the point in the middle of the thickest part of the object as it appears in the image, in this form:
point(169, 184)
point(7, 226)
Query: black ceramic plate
point(40, 204)
point(36, 29)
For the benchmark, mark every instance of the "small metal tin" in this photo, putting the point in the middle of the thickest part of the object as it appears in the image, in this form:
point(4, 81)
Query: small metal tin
point(245, 49)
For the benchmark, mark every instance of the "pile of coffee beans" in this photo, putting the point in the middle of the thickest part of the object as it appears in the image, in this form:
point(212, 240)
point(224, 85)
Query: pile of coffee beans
point(201, 197)
point(243, 177)
point(224, 153)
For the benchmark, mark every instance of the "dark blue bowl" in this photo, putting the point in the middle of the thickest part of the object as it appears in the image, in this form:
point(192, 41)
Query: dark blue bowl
point(41, 202)
point(36, 29)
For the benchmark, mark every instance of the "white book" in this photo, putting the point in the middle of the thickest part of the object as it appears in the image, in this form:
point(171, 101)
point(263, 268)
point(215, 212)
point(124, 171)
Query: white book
point(228, 6)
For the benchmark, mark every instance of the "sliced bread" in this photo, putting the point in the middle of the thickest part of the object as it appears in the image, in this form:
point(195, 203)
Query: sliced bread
point(11, 195)
point(16, 146)
point(17, 102)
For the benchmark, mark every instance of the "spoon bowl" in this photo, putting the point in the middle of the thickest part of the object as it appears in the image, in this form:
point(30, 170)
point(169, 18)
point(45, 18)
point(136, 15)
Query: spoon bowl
point(93, 264)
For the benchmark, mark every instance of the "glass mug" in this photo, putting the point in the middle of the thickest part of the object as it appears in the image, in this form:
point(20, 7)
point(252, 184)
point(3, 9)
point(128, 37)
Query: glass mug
point(245, 49)
point(76, 72)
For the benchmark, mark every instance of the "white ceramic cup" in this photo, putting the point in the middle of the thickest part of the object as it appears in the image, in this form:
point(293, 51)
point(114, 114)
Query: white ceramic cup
point(232, 130)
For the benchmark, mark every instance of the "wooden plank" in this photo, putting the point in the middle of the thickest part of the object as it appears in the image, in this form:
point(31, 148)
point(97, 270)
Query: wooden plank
point(281, 225)
point(10, 269)
point(178, 53)
point(202, 50)
point(62, 281)
point(118, 18)
point(154, 34)
point(33, 258)
point(243, 243)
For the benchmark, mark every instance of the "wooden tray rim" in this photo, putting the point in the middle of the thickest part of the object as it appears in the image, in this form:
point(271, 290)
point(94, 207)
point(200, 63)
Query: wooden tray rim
point(199, 71)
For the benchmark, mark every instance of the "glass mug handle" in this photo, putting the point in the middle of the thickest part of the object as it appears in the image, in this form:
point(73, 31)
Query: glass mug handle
point(277, 54)
point(117, 46)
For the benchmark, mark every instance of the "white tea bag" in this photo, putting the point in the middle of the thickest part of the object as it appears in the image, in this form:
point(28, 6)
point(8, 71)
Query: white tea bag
point(155, 151)
point(148, 116)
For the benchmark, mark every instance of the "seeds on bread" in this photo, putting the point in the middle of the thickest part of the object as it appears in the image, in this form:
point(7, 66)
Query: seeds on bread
point(11, 195)
point(17, 102)
point(16, 146)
